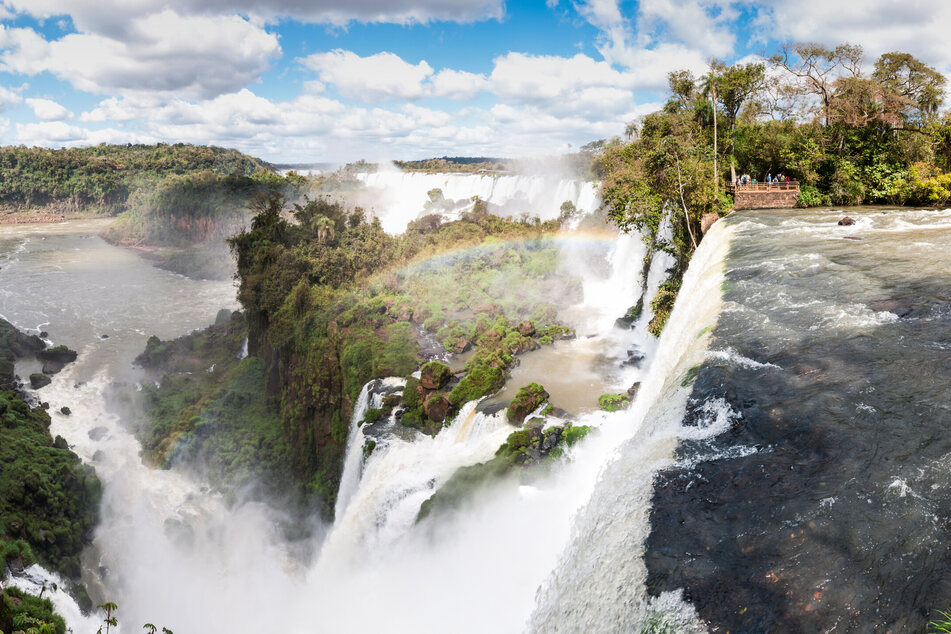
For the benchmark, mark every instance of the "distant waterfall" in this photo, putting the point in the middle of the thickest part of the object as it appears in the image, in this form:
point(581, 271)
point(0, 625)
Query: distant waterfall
point(403, 195)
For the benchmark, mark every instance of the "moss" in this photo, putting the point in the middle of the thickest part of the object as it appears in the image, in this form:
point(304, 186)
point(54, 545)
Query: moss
point(526, 400)
point(690, 375)
point(663, 305)
point(481, 379)
point(373, 415)
point(435, 374)
point(368, 448)
point(613, 402)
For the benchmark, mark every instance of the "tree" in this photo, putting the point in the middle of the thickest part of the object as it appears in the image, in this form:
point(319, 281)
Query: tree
point(818, 67)
point(921, 86)
point(710, 87)
point(110, 621)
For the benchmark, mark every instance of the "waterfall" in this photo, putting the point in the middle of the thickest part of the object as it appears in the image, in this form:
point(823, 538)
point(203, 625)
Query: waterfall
point(403, 195)
point(598, 584)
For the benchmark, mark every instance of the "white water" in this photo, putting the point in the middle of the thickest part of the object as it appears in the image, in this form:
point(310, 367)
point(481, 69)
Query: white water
point(403, 195)
point(179, 555)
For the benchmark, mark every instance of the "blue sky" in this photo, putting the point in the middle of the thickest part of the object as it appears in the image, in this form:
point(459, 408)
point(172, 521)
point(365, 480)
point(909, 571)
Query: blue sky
point(337, 80)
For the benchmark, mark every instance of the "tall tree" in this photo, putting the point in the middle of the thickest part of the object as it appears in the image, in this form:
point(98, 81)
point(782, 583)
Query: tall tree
point(710, 88)
point(920, 85)
point(818, 68)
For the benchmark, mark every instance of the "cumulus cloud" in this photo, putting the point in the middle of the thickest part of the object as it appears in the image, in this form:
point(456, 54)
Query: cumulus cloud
point(111, 16)
point(160, 53)
point(50, 133)
point(372, 78)
point(880, 26)
point(8, 98)
point(48, 110)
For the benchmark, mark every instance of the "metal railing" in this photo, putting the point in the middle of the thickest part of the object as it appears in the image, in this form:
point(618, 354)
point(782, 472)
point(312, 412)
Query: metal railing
point(763, 187)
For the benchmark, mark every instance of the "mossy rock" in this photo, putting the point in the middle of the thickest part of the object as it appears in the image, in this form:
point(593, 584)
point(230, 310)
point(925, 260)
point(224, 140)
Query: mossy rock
point(434, 375)
point(526, 401)
point(38, 380)
point(613, 402)
point(59, 354)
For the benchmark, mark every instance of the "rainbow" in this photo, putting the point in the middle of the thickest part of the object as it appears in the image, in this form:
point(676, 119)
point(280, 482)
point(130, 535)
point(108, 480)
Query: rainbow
point(583, 238)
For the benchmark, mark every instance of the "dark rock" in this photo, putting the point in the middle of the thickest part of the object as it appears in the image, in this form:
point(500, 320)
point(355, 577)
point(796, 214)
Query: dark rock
point(99, 456)
point(434, 375)
point(60, 354)
point(44, 334)
point(634, 389)
point(39, 380)
point(103, 336)
point(223, 317)
point(65, 411)
point(526, 329)
point(460, 345)
point(52, 367)
point(525, 402)
point(60, 443)
point(98, 433)
point(436, 407)
point(45, 405)
point(847, 222)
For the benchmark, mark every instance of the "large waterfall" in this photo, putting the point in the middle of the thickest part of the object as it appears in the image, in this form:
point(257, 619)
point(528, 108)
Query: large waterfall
point(402, 195)
point(779, 404)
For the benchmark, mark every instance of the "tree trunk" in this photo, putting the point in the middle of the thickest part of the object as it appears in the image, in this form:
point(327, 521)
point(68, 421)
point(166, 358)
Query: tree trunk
point(716, 173)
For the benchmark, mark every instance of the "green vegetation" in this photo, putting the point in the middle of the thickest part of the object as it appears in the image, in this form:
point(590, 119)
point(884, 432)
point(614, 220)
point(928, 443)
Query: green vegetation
point(22, 612)
point(49, 500)
point(847, 137)
point(524, 449)
point(332, 301)
point(613, 402)
point(100, 179)
point(456, 164)
point(940, 624)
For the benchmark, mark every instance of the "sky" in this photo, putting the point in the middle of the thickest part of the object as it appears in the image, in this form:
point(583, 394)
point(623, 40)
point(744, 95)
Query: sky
point(296, 81)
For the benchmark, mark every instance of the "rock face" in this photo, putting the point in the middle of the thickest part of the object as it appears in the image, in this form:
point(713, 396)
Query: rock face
point(525, 402)
point(707, 221)
point(436, 407)
point(39, 380)
point(847, 222)
point(526, 329)
point(434, 375)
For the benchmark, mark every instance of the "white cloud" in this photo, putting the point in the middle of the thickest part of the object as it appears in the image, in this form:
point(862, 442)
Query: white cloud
point(160, 53)
point(50, 133)
point(111, 16)
point(372, 78)
point(880, 26)
point(457, 84)
point(48, 110)
point(8, 98)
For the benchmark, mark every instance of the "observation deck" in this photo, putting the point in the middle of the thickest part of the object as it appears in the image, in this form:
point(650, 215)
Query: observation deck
point(764, 195)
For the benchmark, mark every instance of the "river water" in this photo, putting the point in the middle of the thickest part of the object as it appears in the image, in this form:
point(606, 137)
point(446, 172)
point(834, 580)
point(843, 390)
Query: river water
point(785, 465)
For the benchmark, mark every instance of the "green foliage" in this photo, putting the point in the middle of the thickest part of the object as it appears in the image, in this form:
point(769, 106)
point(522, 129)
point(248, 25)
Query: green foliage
point(526, 400)
point(941, 624)
point(663, 304)
point(22, 612)
point(613, 402)
point(809, 196)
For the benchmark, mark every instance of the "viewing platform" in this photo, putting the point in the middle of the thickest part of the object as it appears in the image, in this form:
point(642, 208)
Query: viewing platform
point(764, 195)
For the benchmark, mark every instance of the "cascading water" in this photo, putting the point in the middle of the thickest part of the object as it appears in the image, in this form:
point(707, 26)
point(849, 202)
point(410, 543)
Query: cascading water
point(173, 552)
point(403, 195)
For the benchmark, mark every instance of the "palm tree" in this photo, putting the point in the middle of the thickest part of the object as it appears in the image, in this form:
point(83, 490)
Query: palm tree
point(151, 628)
point(710, 87)
point(110, 621)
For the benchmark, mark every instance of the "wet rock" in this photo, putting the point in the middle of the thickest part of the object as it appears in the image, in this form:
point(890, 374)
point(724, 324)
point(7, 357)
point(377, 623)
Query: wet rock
point(45, 406)
point(39, 380)
point(846, 222)
point(434, 375)
point(99, 456)
point(60, 443)
point(436, 407)
point(707, 221)
point(98, 433)
point(52, 367)
point(460, 345)
point(65, 411)
point(525, 402)
point(61, 354)
point(634, 358)
point(103, 336)
point(526, 329)
point(634, 389)
point(44, 334)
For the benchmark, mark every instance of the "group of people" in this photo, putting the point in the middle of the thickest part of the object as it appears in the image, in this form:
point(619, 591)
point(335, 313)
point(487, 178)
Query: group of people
point(770, 179)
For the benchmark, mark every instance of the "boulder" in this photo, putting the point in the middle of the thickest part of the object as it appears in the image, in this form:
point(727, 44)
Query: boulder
point(65, 411)
point(634, 389)
point(436, 407)
point(434, 375)
point(525, 402)
point(39, 380)
point(98, 433)
point(460, 345)
point(707, 221)
point(847, 222)
point(526, 329)
point(52, 367)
